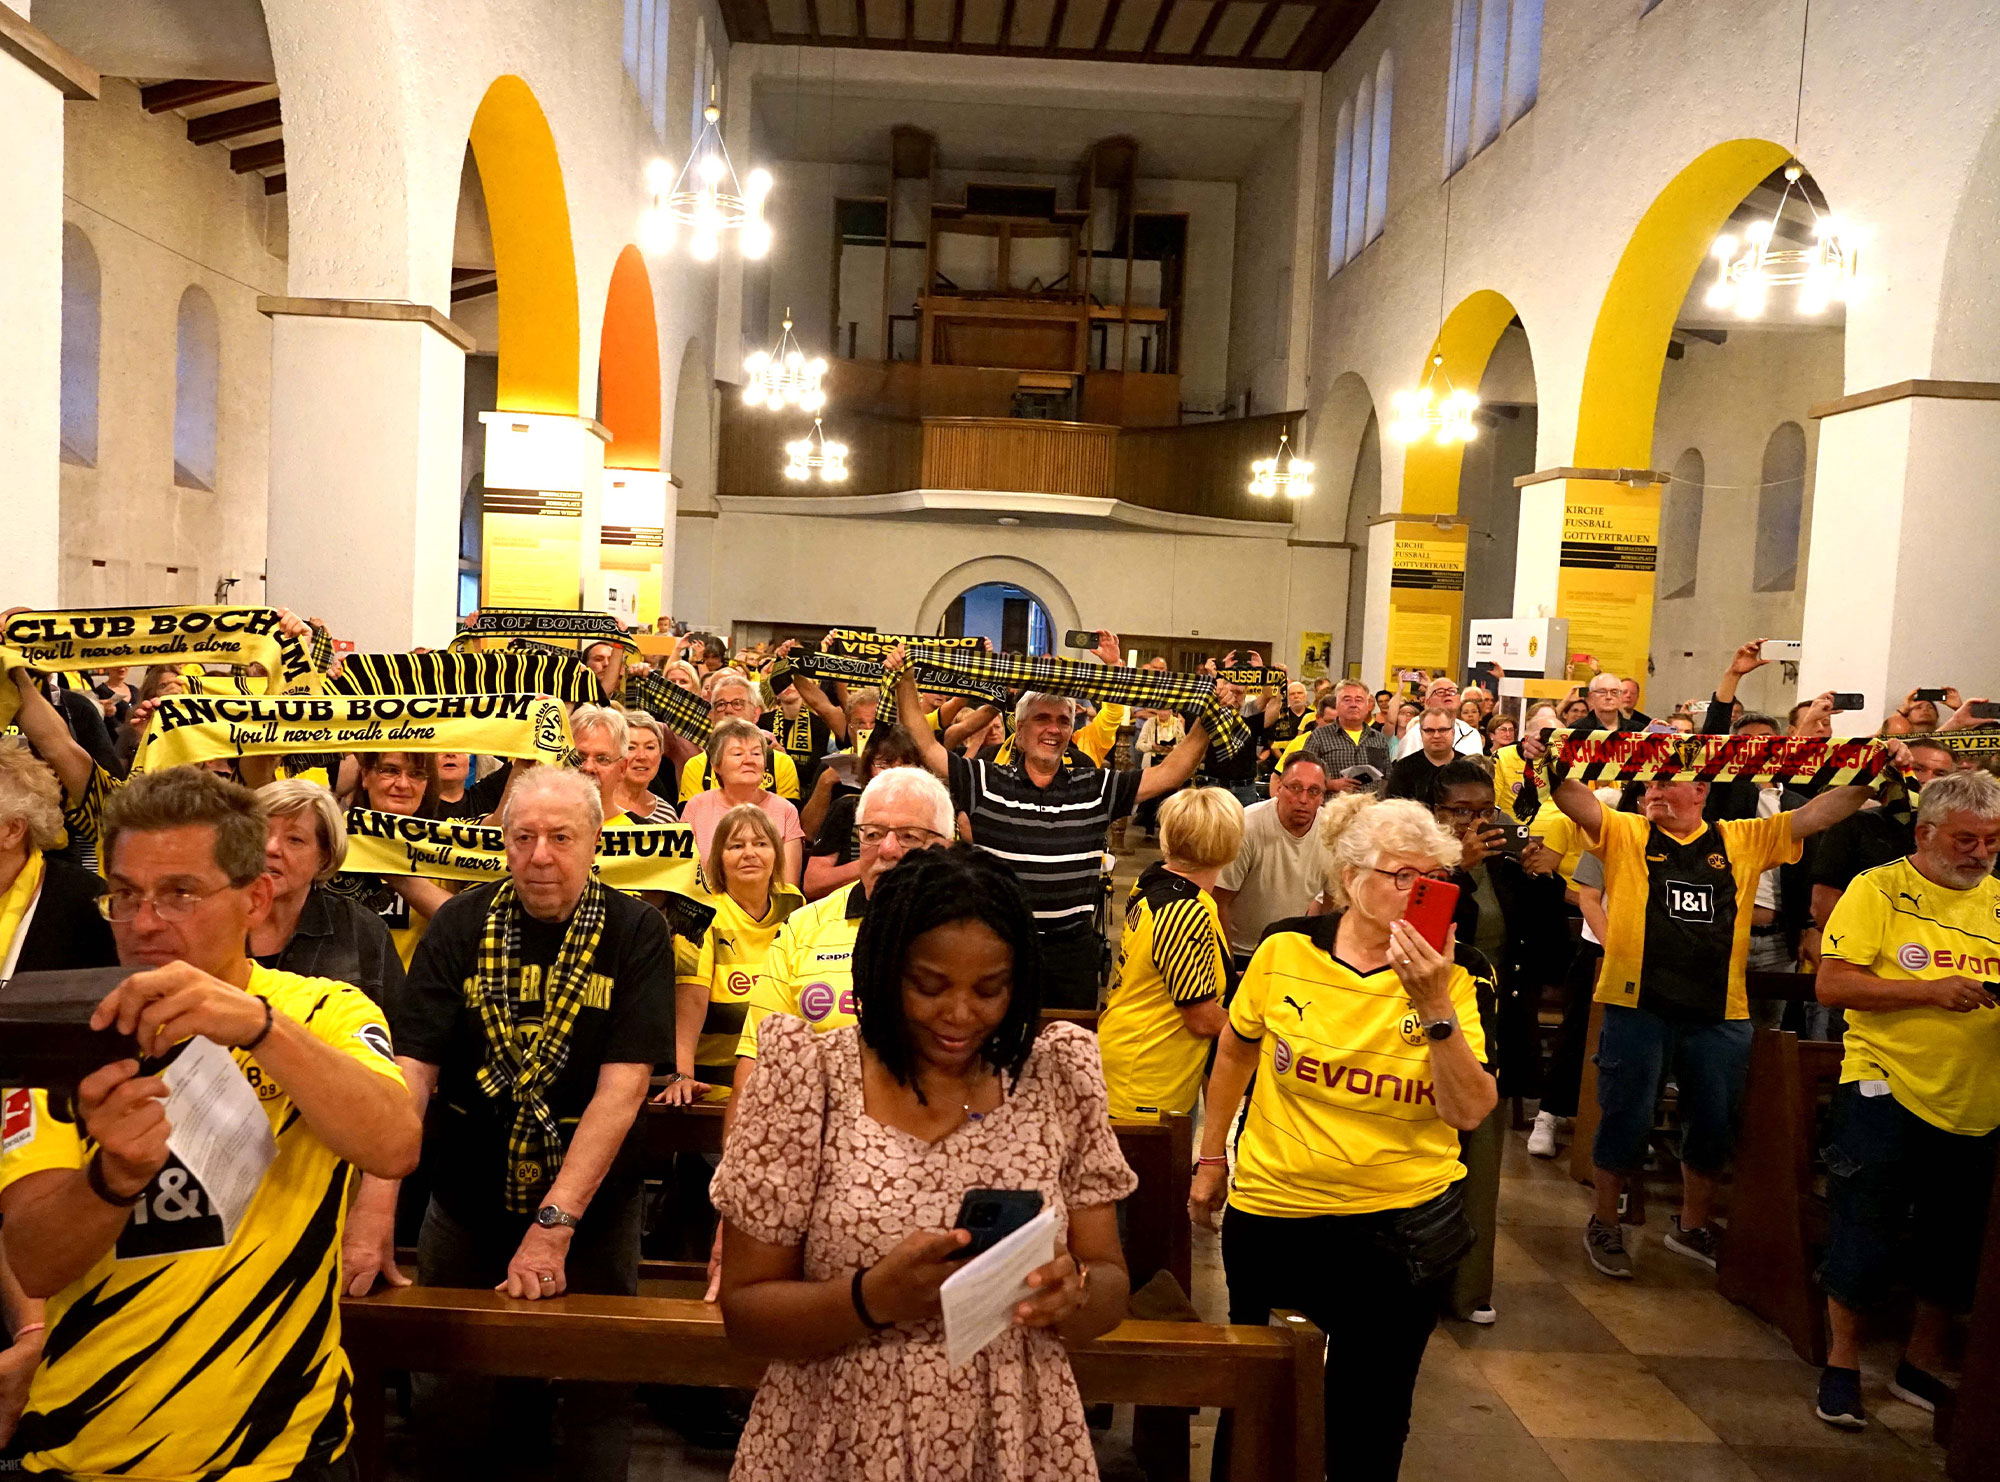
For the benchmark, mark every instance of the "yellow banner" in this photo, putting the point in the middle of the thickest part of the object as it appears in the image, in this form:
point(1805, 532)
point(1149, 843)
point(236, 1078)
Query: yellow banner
point(1604, 584)
point(100, 637)
point(1426, 597)
point(532, 550)
point(190, 729)
point(647, 857)
point(1315, 654)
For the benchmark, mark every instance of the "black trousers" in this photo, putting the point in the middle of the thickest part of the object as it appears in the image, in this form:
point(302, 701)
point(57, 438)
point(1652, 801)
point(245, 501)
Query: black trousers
point(1072, 968)
point(1331, 1268)
point(474, 1427)
point(1565, 1078)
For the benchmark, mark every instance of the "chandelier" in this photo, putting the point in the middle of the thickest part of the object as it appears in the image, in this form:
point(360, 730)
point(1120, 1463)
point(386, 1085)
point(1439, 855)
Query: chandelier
point(814, 454)
point(1823, 273)
point(706, 198)
point(784, 377)
point(1285, 474)
point(1423, 413)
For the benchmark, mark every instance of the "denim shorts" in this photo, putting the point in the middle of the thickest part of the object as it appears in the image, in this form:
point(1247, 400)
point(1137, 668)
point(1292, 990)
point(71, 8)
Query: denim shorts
point(1903, 1197)
point(1709, 1061)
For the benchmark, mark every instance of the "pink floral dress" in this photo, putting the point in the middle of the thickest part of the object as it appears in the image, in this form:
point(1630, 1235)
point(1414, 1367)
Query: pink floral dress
point(806, 1165)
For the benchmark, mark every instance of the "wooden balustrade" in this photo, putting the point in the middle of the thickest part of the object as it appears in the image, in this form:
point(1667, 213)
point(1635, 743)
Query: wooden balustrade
point(1020, 456)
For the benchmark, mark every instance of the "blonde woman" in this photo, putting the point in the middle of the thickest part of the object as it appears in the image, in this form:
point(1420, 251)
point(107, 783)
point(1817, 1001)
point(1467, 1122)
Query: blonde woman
point(1165, 1008)
point(714, 979)
point(1367, 1048)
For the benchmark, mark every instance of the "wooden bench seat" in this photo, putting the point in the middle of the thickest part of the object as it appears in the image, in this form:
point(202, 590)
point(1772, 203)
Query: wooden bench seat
point(1270, 1377)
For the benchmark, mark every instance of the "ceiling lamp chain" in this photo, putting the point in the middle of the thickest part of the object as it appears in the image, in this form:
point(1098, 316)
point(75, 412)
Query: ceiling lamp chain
point(706, 198)
point(784, 377)
point(815, 455)
point(1284, 474)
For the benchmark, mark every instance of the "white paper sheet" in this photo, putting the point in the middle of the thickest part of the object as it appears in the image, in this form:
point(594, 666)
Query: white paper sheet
point(220, 1132)
point(980, 1298)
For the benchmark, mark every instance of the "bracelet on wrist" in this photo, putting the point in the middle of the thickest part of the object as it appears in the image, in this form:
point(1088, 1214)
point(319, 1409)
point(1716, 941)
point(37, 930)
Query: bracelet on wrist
point(861, 1303)
point(1219, 1160)
point(26, 1328)
point(270, 1017)
point(93, 1174)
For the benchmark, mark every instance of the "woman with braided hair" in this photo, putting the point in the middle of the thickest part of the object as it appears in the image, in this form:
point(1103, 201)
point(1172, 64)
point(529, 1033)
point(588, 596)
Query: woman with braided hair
point(843, 1174)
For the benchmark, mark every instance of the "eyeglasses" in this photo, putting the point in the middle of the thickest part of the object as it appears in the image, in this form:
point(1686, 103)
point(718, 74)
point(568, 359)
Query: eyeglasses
point(910, 838)
point(1407, 877)
point(1449, 814)
point(170, 905)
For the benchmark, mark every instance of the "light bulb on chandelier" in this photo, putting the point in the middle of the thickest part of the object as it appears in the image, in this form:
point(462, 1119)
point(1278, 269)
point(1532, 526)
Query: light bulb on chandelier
point(815, 456)
point(785, 377)
point(1424, 414)
point(1826, 272)
point(706, 198)
point(1284, 474)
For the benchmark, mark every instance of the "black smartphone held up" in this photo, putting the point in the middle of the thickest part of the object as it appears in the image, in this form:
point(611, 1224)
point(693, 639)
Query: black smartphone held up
point(1984, 710)
point(1936, 697)
point(1849, 700)
point(1082, 638)
point(1514, 839)
point(992, 1215)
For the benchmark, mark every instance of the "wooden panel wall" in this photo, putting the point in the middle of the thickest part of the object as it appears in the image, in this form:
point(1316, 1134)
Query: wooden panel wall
point(1024, 456)
point(884, 454)
point(1203, 468)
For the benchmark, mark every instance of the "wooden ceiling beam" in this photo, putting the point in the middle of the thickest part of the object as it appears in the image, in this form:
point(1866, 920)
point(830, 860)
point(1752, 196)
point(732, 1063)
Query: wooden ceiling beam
point(1006, 33)
point(861, 20)
point(957, 22)
point(234, 123)
point(812, 17)
point(274, 185)
point(185, 92)
point(746, 20)
point(1111, 9)
point(1160, 17)
point(257, 157)
point(1256, 36)
point(1327, 35)
point(1056, 19)
point(1060, 53)
point(909, 20)
point(1208, 26)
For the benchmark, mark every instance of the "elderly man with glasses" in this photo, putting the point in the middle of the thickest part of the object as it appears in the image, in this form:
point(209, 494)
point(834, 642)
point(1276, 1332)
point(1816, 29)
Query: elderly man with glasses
point(1442, 694)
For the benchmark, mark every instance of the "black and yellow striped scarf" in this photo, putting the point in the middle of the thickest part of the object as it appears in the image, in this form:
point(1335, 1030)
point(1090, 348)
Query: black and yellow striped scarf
point(511, 671)
point(525, 1074)
point(684, 714)
point(563, 626)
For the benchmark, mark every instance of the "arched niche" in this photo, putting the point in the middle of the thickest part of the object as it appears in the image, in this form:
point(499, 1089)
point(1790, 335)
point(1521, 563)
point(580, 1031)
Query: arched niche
point(1037, 581)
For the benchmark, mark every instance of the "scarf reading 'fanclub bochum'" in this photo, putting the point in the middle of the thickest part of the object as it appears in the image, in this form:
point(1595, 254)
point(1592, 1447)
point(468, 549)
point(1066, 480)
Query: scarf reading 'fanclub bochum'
point(190, 729)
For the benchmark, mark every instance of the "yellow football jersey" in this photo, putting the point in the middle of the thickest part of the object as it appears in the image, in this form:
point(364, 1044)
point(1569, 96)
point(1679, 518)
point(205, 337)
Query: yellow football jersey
point(182, 1353)
point(1343, 1115)
point(727, 964)
point(810, 972)
point(1898, 925)
point(1510, 776)
point(781, 775)
point(1171, 953)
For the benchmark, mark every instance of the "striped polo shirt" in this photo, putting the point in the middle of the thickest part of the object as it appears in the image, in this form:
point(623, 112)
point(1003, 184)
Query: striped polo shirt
point(1051, 837)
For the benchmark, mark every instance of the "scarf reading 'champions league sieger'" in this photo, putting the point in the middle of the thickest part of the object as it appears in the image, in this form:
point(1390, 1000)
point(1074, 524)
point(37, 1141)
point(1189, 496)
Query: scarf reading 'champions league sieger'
point(1593, 757)
point(103, 637)
point(198, 728)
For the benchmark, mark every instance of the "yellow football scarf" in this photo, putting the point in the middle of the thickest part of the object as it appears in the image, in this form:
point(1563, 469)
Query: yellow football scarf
point(100, 637)
point(191, 729)
point(1593, 757)
point(1979, 741)
point(18, 897)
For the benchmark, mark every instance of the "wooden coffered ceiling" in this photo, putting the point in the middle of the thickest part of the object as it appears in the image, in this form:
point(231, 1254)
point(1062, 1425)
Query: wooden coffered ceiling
point(1287, 35)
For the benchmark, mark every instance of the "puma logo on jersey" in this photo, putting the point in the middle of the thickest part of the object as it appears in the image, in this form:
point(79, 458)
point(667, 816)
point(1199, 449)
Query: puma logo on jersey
point(1300, 1008)
point(1905, 895)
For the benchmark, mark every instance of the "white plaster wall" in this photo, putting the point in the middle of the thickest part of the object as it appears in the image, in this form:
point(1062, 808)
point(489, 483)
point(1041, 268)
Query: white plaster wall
point(31, 122)
point(162, 215)
point(1261, 301)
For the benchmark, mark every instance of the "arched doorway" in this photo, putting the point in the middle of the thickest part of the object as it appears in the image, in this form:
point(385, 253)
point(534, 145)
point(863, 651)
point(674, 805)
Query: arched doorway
point(1012, 617)
point(1035, 581)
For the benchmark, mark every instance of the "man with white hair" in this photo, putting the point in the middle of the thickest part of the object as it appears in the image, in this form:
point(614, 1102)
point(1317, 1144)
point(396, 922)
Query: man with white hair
point(1442, 694)
point(1910, 954)
point(731, 696)
point(535, 1010)
point(1048, 823)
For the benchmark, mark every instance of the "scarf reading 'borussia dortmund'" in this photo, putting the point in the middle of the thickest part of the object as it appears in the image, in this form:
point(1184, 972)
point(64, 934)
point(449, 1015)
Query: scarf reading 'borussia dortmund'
point(197, 728)
point(101, 637)
point(1595, 757)
point(526, 1074)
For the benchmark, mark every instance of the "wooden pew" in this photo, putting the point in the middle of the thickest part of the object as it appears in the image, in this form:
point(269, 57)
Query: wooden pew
point(1970, 1425)
point(1776, 1222)
point(1270, 1377)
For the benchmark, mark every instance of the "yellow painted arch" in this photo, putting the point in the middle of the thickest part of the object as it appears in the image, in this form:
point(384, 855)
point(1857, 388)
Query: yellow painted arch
point(1430, 472)
point(628, 367)
point(528, 211)
point(1628, 347)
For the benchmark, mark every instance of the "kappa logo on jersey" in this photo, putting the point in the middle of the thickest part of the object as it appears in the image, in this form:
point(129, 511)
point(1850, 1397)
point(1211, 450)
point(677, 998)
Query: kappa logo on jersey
point(172, 1217)
point(817, 1000)
point(738, 983)
point(376, 1037)
point(17, 1120)
point(1690, 902)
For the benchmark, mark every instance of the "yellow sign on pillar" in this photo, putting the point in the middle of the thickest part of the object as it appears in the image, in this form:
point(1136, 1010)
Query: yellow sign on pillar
point(634, 543)
point(1426, 597)
point(541, 510)
point(1604, 579)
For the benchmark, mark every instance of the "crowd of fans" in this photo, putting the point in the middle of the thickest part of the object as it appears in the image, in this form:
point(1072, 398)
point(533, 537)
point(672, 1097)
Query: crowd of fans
point(867, 995)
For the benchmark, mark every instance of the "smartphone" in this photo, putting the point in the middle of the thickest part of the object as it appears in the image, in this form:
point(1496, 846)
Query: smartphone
point(1936, 697)
point(1786, 650)
point(1849, 700)
point(1082, 638)
point(1514, 838)
point(1985, 710)
point(992, 1215)
point(1432, 903)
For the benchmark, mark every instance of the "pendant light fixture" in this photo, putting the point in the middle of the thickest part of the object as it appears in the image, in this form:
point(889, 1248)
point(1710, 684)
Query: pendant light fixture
point(1285, 474)
point(1436, 410)
point(706, 198)
point(813, 456)
point(783, 377)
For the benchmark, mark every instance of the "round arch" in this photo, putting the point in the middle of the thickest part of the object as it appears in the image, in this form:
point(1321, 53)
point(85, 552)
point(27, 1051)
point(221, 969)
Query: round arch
point(1035, 580)
point(688, 455)
point(1341, 426)
point(628, 367)
point(528, 210)
point(1430, 469)
point(1635, 321)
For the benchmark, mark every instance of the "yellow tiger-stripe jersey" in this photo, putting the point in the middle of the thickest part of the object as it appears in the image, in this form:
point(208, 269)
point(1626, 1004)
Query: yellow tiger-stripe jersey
point(1171, 954)
point(728, 964)
point(183, 1354)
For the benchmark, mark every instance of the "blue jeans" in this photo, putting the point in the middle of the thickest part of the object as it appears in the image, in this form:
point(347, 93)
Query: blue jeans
point(1710, 1061)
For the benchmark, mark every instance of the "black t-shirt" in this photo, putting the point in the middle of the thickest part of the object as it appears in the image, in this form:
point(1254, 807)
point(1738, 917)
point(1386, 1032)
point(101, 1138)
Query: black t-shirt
point(838, 831)
point(1861, 842)
point(1414, 776)
point(481, 797)
point(628, 1017)
point(1241, 767)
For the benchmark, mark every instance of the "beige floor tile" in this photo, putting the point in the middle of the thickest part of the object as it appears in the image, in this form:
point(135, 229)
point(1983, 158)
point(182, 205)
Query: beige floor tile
point(1589, 1396)
point(1763, 1402)
point(1511, 1261)
point(1837, 1464)
point(1445, 1458)
point(1558, 1249)
point(1454, 1397)
point(1647, 1461)
point(1687, 1324)
point(1540, 1201)
point(1539, 1315)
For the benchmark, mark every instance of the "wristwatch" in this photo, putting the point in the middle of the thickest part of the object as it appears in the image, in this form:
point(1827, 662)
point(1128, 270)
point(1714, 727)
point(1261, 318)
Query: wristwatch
point(548, 1217)
point(1440, 1029)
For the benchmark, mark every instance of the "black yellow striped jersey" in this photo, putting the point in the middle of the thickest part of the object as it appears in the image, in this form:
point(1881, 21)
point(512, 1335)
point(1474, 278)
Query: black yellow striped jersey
point(1172, 953)
point(184, 1354)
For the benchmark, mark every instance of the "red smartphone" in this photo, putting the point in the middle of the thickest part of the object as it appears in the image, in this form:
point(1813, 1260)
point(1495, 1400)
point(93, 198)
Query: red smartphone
point(1432, 903)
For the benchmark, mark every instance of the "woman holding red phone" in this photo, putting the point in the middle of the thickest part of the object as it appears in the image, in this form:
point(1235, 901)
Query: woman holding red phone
point(1367, 1047)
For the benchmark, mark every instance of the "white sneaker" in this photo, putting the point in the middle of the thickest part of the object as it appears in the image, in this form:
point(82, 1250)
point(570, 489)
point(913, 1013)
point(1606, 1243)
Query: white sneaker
point(1484, 1316)
point(1542, 1136)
